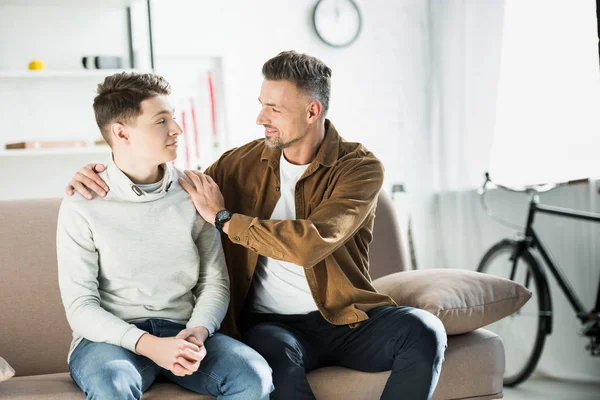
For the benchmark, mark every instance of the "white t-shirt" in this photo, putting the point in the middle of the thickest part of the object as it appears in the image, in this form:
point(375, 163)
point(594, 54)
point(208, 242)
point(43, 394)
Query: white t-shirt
point(280, 287)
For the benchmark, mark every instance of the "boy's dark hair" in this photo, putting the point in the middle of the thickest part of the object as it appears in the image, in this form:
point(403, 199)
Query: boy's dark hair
point(120, 96)
point(311, 75)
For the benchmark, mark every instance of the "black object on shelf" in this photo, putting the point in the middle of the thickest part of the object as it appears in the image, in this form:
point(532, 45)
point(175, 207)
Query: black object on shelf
point(102, 62)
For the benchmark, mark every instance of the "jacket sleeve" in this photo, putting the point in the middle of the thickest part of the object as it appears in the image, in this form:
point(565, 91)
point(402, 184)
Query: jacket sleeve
point(336, 219)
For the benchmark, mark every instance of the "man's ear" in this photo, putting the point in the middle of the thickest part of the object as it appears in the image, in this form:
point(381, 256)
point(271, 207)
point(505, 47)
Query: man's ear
point(314, 109)
point(119, 132)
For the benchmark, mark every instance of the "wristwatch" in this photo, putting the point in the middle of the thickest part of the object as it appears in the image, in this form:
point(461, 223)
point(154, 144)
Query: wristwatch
point(222, 217)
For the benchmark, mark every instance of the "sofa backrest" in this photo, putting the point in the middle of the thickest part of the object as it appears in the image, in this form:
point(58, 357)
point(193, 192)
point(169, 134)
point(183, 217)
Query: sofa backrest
point(34, 333)
point(386, 252)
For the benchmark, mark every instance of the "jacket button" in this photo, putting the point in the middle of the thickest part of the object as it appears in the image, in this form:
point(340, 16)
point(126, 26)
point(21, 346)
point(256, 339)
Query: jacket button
point(277, 188)
point(237, 238)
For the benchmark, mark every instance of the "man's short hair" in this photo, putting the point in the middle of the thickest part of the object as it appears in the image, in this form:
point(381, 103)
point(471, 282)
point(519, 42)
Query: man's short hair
point(311, 75)
point(119, 98)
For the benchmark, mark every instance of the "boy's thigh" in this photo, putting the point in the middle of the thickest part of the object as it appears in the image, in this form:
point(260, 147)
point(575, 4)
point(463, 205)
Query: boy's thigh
point(96, 364)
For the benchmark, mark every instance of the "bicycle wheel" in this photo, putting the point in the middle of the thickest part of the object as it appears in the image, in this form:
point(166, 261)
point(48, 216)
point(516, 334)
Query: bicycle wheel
point(524, 332)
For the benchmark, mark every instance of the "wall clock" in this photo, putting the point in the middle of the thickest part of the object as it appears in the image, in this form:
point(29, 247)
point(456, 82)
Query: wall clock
point(337, 22)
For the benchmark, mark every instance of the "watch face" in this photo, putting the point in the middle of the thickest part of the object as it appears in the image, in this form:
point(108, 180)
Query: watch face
point(223, 215)
point(337, 22)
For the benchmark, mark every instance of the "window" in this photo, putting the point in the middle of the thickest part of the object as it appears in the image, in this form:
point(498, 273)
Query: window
point(548, 109)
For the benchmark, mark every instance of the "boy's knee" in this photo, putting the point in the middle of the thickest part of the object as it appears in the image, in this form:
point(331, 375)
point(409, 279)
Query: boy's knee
point(258, 378)
point(115, 382)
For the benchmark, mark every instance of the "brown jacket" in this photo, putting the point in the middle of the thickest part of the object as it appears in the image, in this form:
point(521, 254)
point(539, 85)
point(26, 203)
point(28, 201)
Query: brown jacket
point(335, 204)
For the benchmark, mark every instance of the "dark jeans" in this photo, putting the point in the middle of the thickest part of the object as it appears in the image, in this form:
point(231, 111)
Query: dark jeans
point(406, 340)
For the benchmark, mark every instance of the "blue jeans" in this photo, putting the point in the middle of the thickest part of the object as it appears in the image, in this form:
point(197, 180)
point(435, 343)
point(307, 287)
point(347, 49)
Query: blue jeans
point(408, 341)
point(230, 370)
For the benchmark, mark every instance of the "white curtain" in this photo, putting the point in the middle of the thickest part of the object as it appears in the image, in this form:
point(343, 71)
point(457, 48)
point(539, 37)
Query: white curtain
point(508, 73)
point(465, 51)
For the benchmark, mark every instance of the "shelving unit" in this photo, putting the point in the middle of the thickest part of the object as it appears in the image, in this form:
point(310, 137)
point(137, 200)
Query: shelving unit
point(70, 3)
point(102, 150)
point(54, 104)
point(50, 74)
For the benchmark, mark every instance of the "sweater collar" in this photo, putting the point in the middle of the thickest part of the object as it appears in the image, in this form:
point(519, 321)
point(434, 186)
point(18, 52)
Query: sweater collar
point(127, 190)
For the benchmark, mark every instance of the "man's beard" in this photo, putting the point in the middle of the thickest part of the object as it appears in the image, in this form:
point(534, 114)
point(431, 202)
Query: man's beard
point(278, 144)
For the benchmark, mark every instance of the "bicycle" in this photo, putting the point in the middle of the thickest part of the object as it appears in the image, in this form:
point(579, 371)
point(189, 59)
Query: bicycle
point(518, 259)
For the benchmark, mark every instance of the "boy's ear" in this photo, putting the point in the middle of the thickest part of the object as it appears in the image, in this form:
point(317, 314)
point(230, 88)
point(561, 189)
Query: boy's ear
point(119, 132)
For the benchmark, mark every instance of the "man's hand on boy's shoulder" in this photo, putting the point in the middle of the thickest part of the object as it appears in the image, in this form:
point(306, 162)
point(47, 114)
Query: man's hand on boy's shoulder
point(88, 179)
point(205, 194)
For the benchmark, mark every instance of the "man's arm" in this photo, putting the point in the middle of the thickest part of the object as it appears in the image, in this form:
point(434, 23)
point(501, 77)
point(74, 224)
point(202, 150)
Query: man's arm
point(303, 242)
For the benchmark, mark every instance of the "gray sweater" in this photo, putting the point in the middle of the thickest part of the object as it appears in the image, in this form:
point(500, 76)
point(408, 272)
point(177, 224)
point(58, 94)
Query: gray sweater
point(135, 255)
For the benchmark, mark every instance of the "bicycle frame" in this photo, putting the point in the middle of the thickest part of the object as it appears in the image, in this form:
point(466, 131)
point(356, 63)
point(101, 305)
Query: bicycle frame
point(534, 242)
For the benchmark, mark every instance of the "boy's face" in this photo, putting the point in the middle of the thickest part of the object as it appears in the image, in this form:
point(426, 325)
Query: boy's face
point(153, 137)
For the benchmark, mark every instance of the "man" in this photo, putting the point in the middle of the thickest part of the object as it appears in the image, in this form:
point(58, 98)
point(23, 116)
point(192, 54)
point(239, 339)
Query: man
point(297, 209)
point(142, 276)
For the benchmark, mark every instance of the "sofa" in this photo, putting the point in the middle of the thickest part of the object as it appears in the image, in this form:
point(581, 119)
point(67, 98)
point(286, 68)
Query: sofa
point(35, 336)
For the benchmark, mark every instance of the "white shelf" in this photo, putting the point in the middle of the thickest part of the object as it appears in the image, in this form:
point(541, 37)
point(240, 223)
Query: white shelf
point(75, 151)
point(45, 74)
point(69, 3)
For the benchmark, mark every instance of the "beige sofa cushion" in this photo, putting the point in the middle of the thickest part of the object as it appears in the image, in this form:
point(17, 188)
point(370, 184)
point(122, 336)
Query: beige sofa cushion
point(61, 387)
point(462, 300)
point(480, 352)
point(6, 371)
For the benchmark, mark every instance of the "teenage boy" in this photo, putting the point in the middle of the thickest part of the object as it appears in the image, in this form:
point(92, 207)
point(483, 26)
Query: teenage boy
point(142, 276)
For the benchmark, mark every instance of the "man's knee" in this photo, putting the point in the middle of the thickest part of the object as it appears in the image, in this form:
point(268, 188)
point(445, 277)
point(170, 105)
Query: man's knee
point(115, 380)
point(429, 336)
point(275, 344)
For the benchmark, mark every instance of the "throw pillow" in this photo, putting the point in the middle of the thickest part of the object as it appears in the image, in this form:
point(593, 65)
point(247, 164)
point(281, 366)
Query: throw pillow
point(462, 300)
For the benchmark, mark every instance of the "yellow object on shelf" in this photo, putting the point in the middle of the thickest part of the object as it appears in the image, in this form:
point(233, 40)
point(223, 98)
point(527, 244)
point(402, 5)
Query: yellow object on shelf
point(36, 65)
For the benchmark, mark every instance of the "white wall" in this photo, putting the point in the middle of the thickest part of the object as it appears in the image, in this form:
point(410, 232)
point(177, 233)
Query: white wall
point(378, 82)
point(374, 80)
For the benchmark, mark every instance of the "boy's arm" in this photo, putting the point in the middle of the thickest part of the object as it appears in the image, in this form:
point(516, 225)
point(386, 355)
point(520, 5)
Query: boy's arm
point(78, 281)
point(212, 289)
